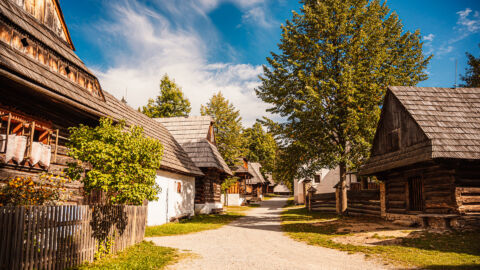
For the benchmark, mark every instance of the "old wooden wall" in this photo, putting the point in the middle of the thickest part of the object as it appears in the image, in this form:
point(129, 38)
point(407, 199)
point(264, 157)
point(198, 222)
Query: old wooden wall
point(208, 187)
point(396, 129)
point(437, 189)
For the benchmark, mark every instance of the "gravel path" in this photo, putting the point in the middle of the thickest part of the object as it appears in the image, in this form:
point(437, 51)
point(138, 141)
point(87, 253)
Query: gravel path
point(256, 242)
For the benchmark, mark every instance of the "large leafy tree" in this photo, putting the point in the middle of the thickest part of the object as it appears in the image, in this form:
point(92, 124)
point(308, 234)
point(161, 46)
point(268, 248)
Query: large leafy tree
point(472, 75)
point(121, 163)
point(328, 80)
point(261, 147)
point(171, 101)
point(228, 127)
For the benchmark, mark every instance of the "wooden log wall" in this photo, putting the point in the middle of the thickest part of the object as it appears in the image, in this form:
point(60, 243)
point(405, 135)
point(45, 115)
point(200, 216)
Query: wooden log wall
point(437, 189)
point(467, 192)
point(325, 202)
point(208, 187)
point(60, 237)
point(363, 202)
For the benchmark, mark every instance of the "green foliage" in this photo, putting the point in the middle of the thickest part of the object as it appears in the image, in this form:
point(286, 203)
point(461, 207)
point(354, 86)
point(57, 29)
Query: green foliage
point(228, 182)
point(170, 103)
point(228, 128)
point(104, 247)
point(261, 147)
point(121, 163)
point(142, 256)
point(328, 81)
point(472, 75)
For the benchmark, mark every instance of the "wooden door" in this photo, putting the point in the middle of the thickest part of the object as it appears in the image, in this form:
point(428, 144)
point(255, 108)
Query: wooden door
point(415, 193)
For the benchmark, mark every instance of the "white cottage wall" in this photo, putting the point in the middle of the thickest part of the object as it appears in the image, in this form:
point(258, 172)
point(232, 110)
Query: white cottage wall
point(171, 203)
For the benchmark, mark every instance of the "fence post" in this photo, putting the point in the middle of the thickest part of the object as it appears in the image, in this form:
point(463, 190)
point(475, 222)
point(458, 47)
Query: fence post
point(310, 192)
point(383, 202)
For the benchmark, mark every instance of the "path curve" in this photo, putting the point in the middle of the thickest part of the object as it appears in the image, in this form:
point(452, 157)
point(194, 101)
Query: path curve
point(257, 242)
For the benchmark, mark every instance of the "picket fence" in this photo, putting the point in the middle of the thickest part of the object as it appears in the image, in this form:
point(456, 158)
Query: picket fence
point(60, 237)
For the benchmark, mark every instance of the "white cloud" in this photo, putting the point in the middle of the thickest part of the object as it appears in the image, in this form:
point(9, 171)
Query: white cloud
point(429, 37)
point(146, 45)
point(444, 50)
point(257, 16)
point(469, 23)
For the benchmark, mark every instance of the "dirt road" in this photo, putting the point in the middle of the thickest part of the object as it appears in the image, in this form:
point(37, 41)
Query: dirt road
point(257, 242)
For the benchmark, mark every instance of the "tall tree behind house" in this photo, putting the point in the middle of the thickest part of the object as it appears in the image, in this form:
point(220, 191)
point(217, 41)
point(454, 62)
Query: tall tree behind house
point(329, 79)
point(170, 103)
point(472, 75)
point(261, 147)
point(228, 128)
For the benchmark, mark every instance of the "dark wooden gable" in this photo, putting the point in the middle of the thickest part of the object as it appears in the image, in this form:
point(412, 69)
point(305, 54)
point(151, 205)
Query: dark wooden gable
point(396, 129)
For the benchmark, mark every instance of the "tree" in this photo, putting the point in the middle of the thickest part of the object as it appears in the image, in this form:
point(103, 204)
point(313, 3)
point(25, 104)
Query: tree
point(171, 101)
point(228, 128)
point(121, 163)
point(472, 75)
point(261, 147)
point(329, 79)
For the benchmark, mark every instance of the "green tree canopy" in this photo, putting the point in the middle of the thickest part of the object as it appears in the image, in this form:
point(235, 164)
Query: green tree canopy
point(472, 75)
point(171, 101)
point(328, 81)
point(121, 163)
point(261, 147)
point(228, 127)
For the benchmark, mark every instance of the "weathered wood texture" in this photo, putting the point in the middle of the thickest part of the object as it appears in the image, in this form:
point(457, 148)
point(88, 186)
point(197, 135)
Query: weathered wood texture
point(208, 187)
point(363, 202)
point(60, 237)
point(323, 202)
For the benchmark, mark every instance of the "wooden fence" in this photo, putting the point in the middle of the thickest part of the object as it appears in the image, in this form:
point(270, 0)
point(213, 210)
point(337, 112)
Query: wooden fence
point(59, 237)
point(364, 202)
point(325, 202)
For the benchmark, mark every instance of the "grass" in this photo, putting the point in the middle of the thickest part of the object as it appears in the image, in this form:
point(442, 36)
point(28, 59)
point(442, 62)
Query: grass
point(142, 256)
point(199, 222)
point(269, 196)
point(429, 251)
point(196, 224)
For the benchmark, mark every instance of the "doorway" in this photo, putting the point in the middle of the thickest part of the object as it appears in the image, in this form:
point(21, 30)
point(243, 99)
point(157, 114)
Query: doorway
point(415, 193)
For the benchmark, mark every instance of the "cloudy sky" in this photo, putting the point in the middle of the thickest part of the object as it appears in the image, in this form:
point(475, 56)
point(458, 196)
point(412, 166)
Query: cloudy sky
point(220, 45)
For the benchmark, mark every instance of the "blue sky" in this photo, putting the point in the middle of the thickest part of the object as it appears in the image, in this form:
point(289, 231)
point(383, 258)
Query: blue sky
point(219, 45)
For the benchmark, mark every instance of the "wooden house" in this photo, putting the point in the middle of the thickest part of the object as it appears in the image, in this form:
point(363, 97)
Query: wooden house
point(197, 137)
point(427, 152)
point(45, 89)
point(255, 184)
point(236, 194)
point(270, 184)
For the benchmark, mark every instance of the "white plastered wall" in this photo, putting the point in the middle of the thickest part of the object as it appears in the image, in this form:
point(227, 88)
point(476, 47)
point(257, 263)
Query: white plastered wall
point(170, 202)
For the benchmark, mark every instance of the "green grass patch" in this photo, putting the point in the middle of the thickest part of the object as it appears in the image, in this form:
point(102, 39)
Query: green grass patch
point(430, 251)
point(197, 223)
point(142, 256)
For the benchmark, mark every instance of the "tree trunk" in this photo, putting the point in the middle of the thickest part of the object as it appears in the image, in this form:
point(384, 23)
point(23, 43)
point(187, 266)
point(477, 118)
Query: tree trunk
point(342, 189)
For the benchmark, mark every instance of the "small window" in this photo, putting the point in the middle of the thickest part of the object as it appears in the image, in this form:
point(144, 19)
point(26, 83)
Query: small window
point(317, 178)
point(394, 140)
point(179, 187)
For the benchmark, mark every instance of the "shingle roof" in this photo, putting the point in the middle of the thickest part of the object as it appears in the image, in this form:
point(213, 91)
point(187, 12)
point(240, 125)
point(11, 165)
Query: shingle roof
point(449, 117)
point(254, 169)
point(16, 65)
point(192, 133)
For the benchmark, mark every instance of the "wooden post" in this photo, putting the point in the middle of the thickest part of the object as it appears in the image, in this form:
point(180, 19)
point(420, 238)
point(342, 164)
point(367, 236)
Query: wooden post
point(383, 202)
point(56, 146)
point(308, 202)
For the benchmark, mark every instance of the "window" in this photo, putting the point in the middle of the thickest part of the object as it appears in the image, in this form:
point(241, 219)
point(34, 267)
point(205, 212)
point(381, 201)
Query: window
point(317, 178)
point(179, 187)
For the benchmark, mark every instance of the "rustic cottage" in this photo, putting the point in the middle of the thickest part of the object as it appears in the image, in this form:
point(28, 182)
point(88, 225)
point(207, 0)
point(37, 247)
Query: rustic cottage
point(427, 152)
point(255, 185)
point(197, 137)
point(270, 184)
point(45, 89)
point(235, 195)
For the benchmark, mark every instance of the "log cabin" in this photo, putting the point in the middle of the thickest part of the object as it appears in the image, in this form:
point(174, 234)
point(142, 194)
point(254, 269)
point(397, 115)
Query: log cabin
point(256, 184)
point(270, 184)
point(426, 151)
point(45, 89)
point(196, 134)
point(235, 195)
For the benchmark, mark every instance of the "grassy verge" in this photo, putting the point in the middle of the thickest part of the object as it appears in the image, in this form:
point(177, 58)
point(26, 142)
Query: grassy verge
point(143, 256)
point(199, 222)
point(429, 251)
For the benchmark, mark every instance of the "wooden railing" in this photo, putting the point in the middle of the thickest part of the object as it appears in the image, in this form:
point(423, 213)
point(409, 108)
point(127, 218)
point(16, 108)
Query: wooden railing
point(59, 237)
point(364, 202)
point(325, 202)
